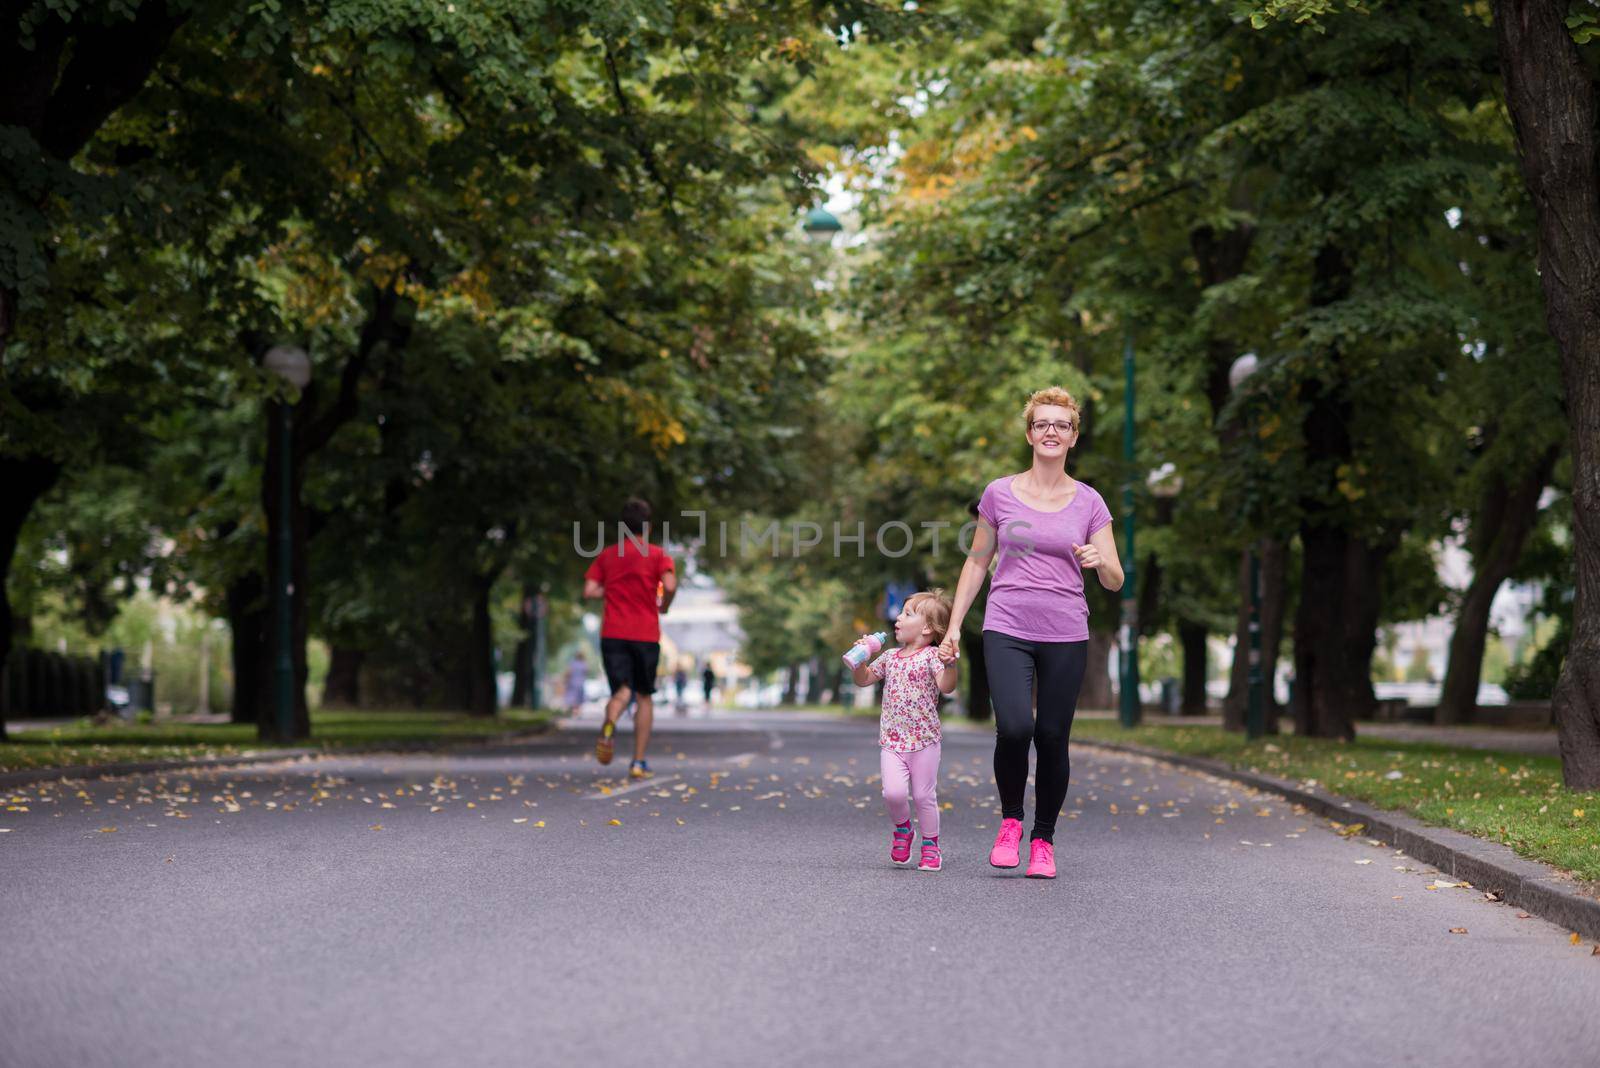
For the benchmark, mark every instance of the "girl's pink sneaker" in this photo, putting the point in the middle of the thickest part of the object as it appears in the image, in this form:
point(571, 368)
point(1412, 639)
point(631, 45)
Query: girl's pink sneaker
point(1004, 853)
point(931, 858)
point(900, 845)
point(1041, 859)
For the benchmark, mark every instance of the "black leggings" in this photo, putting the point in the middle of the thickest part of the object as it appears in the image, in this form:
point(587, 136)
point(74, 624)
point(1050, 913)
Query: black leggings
point(1012, 664)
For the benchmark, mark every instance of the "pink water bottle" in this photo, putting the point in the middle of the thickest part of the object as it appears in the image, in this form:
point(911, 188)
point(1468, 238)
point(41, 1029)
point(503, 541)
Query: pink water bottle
point(865, 649)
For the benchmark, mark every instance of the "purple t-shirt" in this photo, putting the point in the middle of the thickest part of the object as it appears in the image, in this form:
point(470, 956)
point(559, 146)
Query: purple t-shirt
point(1037, 589)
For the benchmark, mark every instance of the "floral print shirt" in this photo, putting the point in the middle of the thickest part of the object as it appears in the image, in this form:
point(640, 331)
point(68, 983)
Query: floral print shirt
point(910, 718)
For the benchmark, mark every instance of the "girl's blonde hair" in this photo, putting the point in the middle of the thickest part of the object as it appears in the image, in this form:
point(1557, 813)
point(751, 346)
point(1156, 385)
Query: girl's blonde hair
point(934, 607)
point(1051, 395)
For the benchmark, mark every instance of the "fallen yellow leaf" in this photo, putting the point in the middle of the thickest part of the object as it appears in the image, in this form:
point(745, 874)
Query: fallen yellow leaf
point(1575, 939)
point(616, 823)
point(107, 830)
point(1458, 930)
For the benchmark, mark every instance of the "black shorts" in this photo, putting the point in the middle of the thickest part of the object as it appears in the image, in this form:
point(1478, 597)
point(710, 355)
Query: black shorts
point(631, 664)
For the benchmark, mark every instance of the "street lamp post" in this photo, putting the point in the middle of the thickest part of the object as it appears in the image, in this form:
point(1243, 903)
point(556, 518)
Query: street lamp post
point(1255, 708)
point(294, 367)
point(821, 226)
point(1128, 698)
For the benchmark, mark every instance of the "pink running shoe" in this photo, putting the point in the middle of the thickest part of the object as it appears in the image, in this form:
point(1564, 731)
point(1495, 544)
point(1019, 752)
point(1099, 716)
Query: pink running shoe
point(900, 845)
point(931, 860)
point(1004, 853)
point(1041, 859)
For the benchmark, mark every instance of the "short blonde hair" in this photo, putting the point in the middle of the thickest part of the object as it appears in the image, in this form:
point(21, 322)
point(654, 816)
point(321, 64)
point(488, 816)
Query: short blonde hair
point(934, 608)
point(1050, 395)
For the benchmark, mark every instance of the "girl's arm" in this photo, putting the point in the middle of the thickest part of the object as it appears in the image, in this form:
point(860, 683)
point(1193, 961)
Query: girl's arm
point(863, 676)
point(948, 676)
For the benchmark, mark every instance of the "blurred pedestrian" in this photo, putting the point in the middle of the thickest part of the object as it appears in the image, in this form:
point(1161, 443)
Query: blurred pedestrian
point(680, 683)
point(577, 675)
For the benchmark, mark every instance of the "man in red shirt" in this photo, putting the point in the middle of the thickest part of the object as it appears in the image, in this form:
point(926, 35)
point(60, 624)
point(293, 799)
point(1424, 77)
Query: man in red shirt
point(638, 582)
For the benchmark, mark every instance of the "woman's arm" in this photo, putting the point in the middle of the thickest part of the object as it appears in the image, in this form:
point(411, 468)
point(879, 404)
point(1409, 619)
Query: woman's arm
point(1101, 554)
point(973, 572)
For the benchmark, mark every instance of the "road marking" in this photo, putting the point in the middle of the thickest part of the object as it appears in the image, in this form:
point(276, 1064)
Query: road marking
point(642, 784)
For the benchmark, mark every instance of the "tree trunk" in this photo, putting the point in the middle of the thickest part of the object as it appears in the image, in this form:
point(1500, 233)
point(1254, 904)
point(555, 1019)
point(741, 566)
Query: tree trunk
point(1192, 636)
point(247, 621)
point(1339, 576)
point(26, 480)
point(521, 682)
point(1096, 690)
point(481, 682)
point(814, 681)
point(791, 684)
point(1550, 94)
point(342, 689)
point(1274, 600)
point(1335, 632)
point(1501, 527)
point(519, 672)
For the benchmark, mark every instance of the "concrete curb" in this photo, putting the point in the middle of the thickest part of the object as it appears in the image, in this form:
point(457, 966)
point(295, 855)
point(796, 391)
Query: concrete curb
point(27, 776)
point(1488, 866)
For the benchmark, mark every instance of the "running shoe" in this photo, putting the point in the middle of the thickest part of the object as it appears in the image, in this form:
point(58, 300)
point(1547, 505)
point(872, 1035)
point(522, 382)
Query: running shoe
point(1004, 853)
point(1041, 859)
point(606, 746)
point(640, 769)
point(900, 845)
point(931, 860)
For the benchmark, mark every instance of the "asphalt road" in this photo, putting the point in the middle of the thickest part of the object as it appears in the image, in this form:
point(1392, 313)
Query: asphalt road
point(527, 906)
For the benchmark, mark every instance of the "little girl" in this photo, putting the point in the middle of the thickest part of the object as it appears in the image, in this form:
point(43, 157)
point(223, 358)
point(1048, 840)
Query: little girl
point(908, 730)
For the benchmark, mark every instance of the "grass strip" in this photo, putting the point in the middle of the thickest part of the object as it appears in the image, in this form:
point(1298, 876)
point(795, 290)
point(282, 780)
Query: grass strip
point(1506, 797)
point(82, 742)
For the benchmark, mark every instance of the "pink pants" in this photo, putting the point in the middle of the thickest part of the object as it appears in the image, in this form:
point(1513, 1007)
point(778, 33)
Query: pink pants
point(913, 775)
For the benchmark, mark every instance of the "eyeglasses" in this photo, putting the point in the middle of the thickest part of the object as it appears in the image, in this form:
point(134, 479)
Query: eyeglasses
point(1061, 427)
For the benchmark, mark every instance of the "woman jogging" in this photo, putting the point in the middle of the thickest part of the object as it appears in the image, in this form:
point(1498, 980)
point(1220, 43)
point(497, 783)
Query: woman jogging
point(1048, 527)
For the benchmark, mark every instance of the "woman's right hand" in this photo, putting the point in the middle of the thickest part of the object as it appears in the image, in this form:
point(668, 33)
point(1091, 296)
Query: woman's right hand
point(950, 648)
